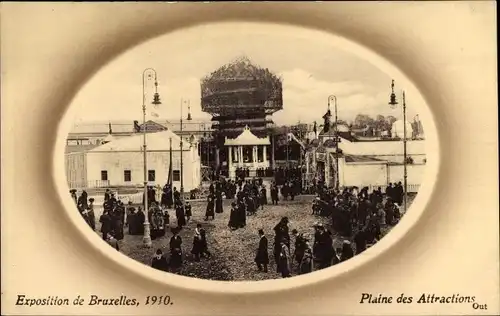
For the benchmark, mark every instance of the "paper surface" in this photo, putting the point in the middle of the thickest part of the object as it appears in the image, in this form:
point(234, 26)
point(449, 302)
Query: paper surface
point(447, 50)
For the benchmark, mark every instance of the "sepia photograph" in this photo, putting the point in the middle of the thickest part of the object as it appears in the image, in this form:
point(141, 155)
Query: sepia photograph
point(243, 153)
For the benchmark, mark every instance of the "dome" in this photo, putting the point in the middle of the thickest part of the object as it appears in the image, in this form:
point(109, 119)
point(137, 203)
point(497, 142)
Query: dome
point(397, 129)
point(241, 68)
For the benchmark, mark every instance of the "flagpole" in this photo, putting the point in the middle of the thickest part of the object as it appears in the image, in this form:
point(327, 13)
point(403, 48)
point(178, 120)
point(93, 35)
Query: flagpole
point(171, 172)
point(182, 154)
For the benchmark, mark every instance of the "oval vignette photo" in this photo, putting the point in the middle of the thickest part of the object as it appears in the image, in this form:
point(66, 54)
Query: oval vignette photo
point(243, 152)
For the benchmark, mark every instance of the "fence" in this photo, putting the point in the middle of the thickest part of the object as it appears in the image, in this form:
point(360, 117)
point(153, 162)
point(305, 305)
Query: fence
point(95, 184)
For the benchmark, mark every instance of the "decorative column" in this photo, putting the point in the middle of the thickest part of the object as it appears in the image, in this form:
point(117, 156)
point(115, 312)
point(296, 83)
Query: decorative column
point(240, 149)
point(264, 153)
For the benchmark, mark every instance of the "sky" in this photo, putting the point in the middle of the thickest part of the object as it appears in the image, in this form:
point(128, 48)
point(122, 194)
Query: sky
point(312, 68)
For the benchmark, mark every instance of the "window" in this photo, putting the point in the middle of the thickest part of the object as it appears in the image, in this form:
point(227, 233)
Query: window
point(176, 175)
point(127, 175)
point(104, 175)
point(151, 175)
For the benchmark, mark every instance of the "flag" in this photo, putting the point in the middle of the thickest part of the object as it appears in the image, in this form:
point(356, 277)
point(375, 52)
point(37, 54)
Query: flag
point(110, 130)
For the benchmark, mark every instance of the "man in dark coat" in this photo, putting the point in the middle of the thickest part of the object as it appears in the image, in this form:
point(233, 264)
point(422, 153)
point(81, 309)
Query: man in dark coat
point(106, 226)
point(262, 256)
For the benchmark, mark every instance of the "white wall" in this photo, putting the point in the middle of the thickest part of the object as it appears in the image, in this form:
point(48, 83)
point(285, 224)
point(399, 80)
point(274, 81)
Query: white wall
point(373, 175)
point(415, 173)
point(362, 174)
point(116, 162)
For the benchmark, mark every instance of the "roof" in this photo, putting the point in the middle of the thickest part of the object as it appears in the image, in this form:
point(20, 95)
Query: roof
point(247, 138)
point(126, 126)
point(159, 141)
point(79, 148)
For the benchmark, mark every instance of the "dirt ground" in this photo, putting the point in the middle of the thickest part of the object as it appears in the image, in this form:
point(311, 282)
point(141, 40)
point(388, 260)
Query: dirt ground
point(233, 252)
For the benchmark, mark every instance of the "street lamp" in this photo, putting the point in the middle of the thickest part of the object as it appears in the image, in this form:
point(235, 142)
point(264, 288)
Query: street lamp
point(337, 178)
point(393, 103)
point(156, 101)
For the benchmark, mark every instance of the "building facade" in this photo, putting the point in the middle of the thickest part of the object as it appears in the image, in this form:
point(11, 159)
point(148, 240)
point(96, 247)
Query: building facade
point(120, 163)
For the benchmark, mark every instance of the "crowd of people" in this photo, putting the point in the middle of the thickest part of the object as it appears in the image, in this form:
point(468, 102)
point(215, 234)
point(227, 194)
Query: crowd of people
point(356, 216)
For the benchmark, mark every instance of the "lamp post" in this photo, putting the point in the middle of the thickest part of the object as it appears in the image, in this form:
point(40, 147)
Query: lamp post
point(156, 101)
point(393, 103)
point(337, 178)
point(182, 154)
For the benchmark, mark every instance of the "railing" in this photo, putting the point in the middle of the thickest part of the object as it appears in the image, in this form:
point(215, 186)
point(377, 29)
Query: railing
point(88, 184)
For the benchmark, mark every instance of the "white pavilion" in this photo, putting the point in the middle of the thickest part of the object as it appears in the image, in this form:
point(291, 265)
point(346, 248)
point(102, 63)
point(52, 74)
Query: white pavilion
point(247, 151)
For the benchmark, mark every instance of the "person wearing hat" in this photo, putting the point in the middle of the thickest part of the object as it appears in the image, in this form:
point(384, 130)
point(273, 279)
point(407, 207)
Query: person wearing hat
point(159, 261)
point(107, 195)
point(175, 249)
point(262, 256)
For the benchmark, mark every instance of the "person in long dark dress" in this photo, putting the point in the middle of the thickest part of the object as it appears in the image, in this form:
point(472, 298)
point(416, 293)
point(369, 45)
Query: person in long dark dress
point(175, 250)
point(117, 224)
point(274, 194)
point(139, 221)
point(210, 207)
point(263, 196)
point(180, 214)
point(242, 213)
point(159, 261)
point(197, 246)
point(262, 256)
point(233, 217)
point(218, 202)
